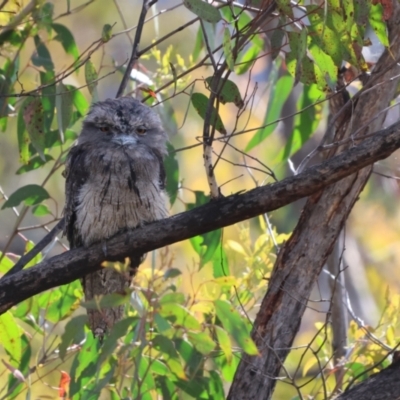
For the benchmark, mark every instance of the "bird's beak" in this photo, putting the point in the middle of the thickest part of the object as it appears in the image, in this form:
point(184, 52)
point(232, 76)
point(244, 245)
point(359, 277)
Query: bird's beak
point(124, 140)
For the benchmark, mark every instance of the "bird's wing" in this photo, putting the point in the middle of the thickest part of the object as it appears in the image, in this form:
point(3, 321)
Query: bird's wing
point(76, 174)
point(162, 176)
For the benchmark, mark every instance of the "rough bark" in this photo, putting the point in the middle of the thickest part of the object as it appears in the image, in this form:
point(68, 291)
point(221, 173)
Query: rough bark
point(301, 259)
point(381, 386)
point(226, 211)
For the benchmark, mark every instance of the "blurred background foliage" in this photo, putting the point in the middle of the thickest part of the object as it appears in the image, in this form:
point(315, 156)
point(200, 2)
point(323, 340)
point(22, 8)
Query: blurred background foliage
point(191, 304)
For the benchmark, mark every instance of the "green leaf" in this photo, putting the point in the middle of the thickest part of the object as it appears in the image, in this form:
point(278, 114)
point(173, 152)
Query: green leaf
point(278, 96)
point(29, 194)
point(324, 35)
point(12, 36)
point(65, 37)
point(106, 374)
point(34, 163)
point(228, 92)
point(227, 47)
point(91, 77)
point(277, 41)
point(193, 388)
point(11, 337)
point(172, 273)
point(169, 354)
point(220, 262)
point(193, 358)
point(179, 315)
point(106, 33)
point(107, 300)
point(298, 46)
point(198, 45)
point(48, 98)
point(117, 331)
point(147, 382)
point(247, 58)
point(3, 123)
point(216, 388)
point(41, 57)
point(357, 369)
point(202, 342)
point(62, 302)
point(33, 115)
point(157, 367)
point(178, 298)
point(224, 342)
point(361, 12)
point(310, 73)
point(80, 103)
point(200, 103)
point(235, 326)
point(166, 388)
point(162, 324)
point(326, 65)
point(74, 333)
point(285, 7)
point(203, 10)
point(172, 171)
point(228, 369)
point(205, 245)
point(15, 385)
point(84, 366)
point(5, 264)
point(64, 103)
point(306, 122)
point(43, 16)
point(40, 210)
point(378, 24)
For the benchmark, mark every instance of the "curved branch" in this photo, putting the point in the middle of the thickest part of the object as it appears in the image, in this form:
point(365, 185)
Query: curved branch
point(223, 212)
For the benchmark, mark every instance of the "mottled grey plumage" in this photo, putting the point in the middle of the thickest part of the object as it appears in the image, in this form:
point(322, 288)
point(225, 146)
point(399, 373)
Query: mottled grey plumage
point(115, 181)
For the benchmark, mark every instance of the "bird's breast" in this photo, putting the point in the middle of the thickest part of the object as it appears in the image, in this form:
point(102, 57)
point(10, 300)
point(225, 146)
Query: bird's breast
point(122, 192)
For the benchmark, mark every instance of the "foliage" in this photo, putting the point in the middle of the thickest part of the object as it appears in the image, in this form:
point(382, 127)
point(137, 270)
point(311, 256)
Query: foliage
point(186, 322)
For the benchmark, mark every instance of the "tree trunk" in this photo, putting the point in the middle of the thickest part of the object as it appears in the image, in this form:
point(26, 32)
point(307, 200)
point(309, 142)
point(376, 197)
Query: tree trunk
point(301, 259)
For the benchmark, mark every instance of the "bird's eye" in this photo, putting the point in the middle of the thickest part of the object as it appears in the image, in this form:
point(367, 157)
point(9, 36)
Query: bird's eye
point(104, 128)
point(141, 131)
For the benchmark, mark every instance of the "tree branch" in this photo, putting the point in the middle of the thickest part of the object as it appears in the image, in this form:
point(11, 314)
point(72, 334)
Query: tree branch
point(76, 263)
point(380, 386)
point(301, 259)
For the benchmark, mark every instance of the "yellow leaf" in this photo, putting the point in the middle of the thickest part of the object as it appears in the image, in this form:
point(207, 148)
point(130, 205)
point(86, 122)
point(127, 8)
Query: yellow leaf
point(236, 247)
point(309, 364)
point(390, 337)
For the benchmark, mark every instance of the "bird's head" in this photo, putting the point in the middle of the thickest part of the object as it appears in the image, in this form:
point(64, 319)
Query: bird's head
point(124, 121)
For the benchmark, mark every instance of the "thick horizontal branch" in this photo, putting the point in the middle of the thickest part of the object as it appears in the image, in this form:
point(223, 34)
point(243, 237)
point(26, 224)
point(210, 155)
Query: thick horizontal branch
point(380, 386)
point(219, 213)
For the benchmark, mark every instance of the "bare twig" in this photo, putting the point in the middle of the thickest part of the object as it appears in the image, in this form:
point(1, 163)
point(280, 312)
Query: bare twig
point(134, 56)
point(25, 259)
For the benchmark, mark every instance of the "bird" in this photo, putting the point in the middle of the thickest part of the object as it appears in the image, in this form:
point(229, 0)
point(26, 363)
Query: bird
point(115, 182)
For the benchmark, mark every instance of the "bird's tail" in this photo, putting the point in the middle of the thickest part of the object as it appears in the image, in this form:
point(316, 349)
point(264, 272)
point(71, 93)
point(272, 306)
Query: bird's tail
point(107, 281)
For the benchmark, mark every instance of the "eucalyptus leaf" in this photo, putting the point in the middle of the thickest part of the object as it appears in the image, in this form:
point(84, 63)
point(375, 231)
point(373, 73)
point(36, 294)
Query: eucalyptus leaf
point(29, 194)
point(200, 103)
point(203, 10)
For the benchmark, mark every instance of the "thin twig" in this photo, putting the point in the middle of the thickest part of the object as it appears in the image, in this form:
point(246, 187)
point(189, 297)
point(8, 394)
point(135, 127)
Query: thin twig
point(121, 15)
point(134, 56)
point(210, 53)
point(25, 259)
